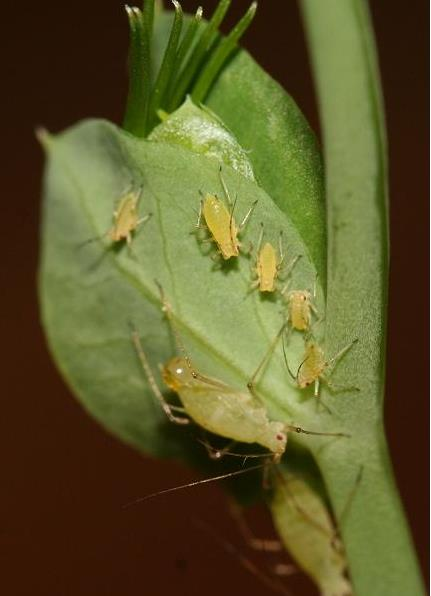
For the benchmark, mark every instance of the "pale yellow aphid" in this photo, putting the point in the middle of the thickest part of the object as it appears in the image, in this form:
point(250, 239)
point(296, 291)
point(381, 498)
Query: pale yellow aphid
point(268, 265)
point(299, 308)
point(220, 222)
point(215, 406)
point(308, 533)
point(126, 218)
point(314, 364)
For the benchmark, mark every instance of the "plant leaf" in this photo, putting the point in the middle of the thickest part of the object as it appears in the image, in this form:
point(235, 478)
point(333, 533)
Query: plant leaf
point(378, 544)
point(90, 293)
point(202, 132)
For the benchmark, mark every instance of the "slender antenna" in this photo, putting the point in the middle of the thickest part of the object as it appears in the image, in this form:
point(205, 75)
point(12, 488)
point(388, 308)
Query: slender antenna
point(285, 359)
point(271, 583)
point(191, 484)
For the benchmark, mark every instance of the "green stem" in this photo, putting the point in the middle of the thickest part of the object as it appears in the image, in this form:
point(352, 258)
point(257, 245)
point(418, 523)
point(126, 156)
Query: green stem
point(379, 548)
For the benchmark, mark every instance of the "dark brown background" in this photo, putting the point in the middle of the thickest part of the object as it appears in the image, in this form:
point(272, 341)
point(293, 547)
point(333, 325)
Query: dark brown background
point(64, 480)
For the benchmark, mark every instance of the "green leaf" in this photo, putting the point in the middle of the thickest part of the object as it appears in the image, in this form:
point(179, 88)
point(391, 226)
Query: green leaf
point(378, 544)
point(201, 131)
point(90, 293)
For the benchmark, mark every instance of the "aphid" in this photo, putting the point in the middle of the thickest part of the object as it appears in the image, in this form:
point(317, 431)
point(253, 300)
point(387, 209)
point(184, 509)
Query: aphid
point(220, 222)
point(216, 406)
point(314, 364)
point(126, 218)
point(308, 533)
point(299, 309)
point(268, 265)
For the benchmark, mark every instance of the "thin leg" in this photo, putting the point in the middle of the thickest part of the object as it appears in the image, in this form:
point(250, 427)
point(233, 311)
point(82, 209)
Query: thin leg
point(144, 219)
point(338, 388)
point(152, 382)
point(247, 216)
point(260, 544)
point(259, 243)
point(252, 381)
point(280, 250)
point(214, 453)
point(341, 353)
point(225, 189)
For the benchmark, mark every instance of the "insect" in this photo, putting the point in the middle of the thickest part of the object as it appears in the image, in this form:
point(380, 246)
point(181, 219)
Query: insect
point(126, 218)
point(220, 222)
point(214, 405)
point(308, 533)
point(268, 266)
point(314, 364)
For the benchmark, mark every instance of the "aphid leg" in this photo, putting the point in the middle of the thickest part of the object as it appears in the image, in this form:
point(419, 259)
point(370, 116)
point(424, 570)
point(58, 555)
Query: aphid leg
point(144, 219)
point(251, 385)
point(259, 544)
point(214, 453)
point(317, 395)
point(152, 382)
point(225, 189)
point(335, 388)
point(270, 582)
point(247, 216)
point(341, 353)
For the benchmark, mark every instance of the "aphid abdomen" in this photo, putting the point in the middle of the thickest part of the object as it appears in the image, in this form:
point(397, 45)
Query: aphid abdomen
point(267, 268)
point(233, 415)
point(221, 225)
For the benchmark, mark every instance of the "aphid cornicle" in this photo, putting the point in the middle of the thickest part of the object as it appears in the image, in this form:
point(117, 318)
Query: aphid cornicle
point(314, 364)
point(126, 218)
point(216, 406)
point(220, 222)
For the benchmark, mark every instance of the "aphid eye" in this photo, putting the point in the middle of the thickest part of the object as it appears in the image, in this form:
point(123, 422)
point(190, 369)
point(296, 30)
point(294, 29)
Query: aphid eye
point(280, 437)
point(194, 374)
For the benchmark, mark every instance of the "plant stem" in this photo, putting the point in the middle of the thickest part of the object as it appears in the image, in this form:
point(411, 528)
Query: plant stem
point(379, 549)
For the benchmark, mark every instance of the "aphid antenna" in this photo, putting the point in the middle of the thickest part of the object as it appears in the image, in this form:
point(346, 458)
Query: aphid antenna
point(152, 381)
point(285, 359)
point(350, 497)
point(193, 484)
point(272, 583)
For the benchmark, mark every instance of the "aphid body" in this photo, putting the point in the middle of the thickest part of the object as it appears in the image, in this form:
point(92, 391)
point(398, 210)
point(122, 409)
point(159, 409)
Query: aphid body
point(313, 365)
point(299, 306)
point(267, 268)
point(308, 533)
point(126, 218)
point(223, 410)
point(221, 225)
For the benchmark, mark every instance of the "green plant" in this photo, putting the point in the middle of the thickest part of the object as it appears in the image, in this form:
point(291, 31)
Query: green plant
point(172, 146)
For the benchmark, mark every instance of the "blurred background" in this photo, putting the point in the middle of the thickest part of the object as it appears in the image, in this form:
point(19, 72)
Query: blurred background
point(63, 530)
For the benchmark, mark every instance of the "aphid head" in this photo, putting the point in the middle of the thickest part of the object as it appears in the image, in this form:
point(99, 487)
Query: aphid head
point(176, 373)
point(276, 439)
